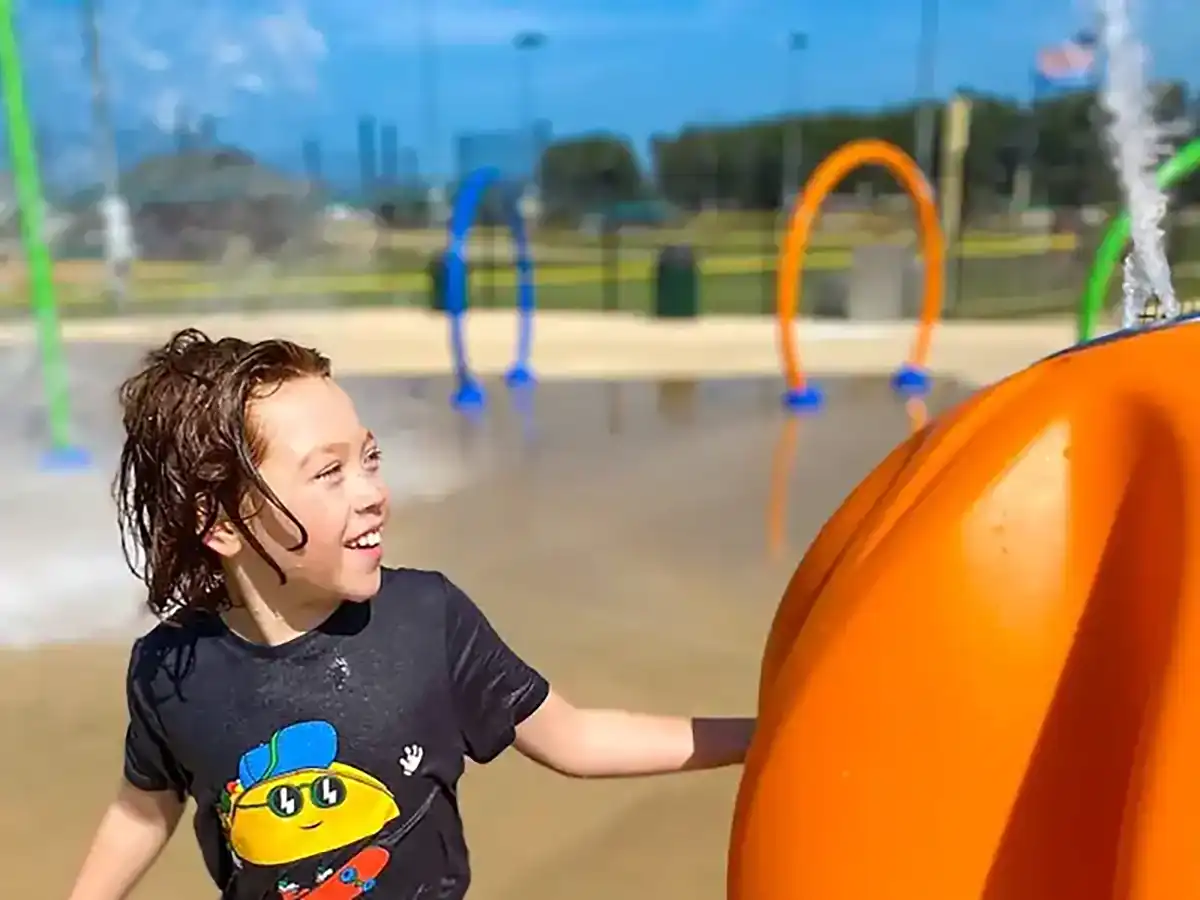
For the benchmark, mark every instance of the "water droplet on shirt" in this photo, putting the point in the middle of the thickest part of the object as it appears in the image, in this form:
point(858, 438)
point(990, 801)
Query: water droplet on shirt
point(339, 670)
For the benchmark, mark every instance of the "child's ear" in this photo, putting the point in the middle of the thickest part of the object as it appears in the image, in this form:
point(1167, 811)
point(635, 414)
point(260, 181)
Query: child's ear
point(223, 539)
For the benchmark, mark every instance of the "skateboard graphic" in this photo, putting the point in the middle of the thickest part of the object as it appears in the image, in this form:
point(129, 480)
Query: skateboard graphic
point(352, 880)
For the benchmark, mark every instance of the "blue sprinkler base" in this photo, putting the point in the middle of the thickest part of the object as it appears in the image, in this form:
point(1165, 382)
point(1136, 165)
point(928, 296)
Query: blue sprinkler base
point(910, 381)
point(469, 397)
point(65, 459)
point(519, 376)
point(805, 400)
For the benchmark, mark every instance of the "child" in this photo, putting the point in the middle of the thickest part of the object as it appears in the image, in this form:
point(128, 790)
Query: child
point(316, 706)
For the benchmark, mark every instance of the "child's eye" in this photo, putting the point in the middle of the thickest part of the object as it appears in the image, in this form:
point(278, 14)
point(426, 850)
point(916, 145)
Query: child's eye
point(330, 471)
point(374, 455)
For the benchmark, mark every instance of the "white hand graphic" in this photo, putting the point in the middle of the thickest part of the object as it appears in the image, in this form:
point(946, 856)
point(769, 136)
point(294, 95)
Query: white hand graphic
point(410, 760)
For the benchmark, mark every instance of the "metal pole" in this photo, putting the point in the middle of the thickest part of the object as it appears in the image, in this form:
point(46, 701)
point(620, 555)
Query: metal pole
point(1027, 149)
point(118, 232)
point(429, 90)
point(927, 85)
point(793, 146)
point(526, 43)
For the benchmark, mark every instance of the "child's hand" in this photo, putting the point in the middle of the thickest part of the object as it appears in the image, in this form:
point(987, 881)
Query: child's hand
point(722, 742)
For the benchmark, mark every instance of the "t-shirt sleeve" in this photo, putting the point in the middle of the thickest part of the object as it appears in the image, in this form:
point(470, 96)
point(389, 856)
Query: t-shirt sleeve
point(494, 690)
point(149, 763)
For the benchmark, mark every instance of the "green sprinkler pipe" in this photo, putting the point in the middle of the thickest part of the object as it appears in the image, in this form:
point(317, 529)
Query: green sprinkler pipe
point(1112, 247)
point(40, 267)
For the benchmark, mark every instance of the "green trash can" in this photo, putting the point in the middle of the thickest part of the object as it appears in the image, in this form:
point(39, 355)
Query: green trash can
point(438, 281)
point(677, 283)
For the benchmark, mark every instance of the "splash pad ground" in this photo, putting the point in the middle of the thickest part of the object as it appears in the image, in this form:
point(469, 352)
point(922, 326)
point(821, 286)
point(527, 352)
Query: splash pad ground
point(624, 469)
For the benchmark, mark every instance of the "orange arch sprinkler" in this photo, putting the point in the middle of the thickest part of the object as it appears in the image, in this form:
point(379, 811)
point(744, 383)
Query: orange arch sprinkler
point(982, 683)
point(912, 378)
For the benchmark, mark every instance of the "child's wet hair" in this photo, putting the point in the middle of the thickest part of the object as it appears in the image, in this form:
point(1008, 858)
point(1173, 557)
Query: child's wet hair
point(191, 457)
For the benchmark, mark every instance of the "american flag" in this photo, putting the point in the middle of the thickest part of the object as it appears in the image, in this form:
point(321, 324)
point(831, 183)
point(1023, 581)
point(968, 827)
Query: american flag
point(1070, 62)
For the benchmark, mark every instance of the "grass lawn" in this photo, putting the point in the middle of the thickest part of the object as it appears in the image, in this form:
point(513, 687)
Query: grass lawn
point(989, 275)
point(985, 287)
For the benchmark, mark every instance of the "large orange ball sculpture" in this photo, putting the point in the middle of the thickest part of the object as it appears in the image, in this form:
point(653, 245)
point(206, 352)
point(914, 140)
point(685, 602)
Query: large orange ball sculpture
point(983, 682)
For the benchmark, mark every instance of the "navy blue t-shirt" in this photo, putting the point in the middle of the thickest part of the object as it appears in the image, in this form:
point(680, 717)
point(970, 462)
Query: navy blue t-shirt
point(327, 768)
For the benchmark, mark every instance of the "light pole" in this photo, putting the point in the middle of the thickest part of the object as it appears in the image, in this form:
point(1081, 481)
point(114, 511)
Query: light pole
point(926, 122)
point(527, 43)
point(428, 88)
point(118, 231)
point(793, 147)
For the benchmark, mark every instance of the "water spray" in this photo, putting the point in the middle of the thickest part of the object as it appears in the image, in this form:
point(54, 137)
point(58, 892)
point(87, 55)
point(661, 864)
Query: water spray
point(1137, 144)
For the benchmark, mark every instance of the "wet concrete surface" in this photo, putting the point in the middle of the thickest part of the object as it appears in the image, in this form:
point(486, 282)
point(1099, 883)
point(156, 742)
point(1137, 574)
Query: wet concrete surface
point(616, 534)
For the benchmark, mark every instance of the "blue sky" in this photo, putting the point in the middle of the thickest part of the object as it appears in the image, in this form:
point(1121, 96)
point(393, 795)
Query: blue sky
point(273, 70)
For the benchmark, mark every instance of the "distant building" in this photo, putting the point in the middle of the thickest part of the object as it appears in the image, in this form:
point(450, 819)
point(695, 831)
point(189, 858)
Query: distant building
point(514, 152)
point(199, 204)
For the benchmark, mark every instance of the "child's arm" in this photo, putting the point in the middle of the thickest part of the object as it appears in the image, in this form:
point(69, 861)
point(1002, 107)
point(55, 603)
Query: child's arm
point(600, 743)
point(500, 700)
point(135, 828)
point(149, 802)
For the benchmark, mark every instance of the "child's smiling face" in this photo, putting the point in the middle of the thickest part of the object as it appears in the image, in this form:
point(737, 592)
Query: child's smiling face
point(324, 467)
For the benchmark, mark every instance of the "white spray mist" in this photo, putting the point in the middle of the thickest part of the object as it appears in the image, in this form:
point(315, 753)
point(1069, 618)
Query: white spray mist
point(1136, 144)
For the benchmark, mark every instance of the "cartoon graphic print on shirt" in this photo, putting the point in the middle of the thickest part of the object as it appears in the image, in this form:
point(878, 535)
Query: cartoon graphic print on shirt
point(293, 800)
point(352, 880)
point(410, 760)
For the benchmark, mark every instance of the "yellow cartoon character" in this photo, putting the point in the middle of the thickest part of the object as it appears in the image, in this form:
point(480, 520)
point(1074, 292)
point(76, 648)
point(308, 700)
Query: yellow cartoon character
point(292, 800)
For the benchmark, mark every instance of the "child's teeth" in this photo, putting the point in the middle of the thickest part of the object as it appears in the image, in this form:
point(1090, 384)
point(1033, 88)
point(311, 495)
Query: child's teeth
point(367, 540)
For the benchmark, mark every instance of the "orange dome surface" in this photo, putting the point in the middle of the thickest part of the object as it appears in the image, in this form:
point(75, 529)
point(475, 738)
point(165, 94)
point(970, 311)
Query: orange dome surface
point(983, 680)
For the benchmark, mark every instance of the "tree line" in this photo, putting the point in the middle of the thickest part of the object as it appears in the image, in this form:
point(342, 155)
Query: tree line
point(1060, 142)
